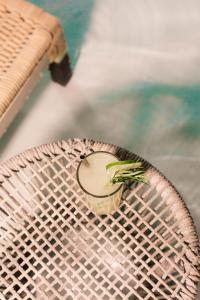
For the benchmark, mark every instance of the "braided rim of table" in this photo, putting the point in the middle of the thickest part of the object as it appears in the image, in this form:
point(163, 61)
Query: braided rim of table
point(53, 247)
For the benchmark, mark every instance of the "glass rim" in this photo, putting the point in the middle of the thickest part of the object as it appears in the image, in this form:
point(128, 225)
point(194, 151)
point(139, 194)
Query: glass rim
point(77, 177)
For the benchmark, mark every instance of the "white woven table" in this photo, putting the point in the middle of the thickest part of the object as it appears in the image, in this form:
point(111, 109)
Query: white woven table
point(53, 247)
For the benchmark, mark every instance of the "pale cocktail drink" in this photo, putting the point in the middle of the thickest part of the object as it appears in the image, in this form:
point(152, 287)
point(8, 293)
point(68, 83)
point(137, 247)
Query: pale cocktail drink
point(101, 195)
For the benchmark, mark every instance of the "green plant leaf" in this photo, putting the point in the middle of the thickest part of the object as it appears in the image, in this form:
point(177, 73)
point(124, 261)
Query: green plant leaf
point(121, 171)
point(124, 163)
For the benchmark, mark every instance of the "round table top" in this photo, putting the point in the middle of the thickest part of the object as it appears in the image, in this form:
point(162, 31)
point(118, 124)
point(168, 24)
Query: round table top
point(53, 246)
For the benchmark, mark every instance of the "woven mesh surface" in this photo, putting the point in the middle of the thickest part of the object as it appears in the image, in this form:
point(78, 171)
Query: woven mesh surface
point(24, 40)
point(53, 247)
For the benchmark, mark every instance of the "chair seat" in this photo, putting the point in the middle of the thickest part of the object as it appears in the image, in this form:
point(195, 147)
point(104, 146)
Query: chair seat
point(52, 246)
point(30, 39)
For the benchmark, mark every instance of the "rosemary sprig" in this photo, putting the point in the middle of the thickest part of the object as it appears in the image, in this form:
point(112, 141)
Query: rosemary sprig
point(122, 171)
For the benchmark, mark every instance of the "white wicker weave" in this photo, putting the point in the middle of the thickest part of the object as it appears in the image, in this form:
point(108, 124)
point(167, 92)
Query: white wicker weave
point(53, 247)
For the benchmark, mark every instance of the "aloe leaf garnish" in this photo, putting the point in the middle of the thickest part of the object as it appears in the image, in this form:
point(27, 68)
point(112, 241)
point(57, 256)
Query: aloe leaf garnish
point(126, 170)
point(124, 163)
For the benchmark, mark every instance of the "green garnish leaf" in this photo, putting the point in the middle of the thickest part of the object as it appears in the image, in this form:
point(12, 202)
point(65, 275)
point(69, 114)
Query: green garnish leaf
point(126, 170)
point(135, 164)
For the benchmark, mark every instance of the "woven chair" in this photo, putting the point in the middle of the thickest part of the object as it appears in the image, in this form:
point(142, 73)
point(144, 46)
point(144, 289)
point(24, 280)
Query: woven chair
point(53, 247)
point(30, 40)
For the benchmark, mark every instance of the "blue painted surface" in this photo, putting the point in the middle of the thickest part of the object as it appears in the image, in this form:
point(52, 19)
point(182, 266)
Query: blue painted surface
point(74, 16)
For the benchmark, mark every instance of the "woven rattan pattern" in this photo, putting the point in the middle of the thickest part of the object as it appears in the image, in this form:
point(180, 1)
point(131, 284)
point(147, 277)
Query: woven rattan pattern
point(18, 53)
point(26, 35)
point(53, 247)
